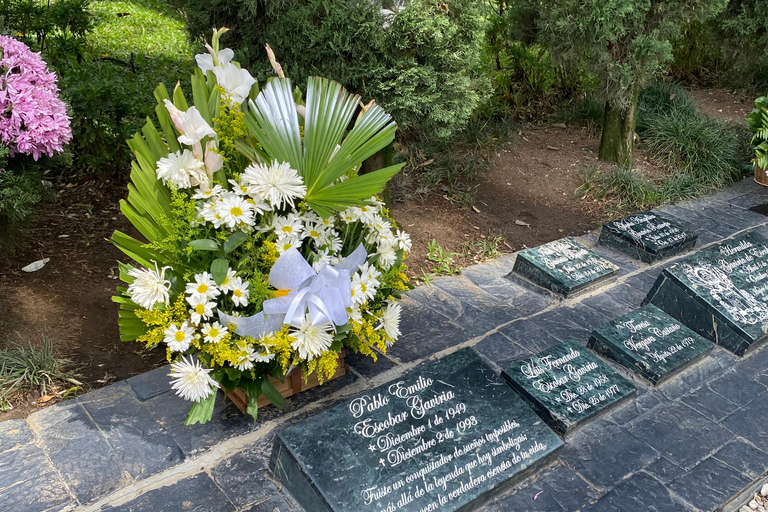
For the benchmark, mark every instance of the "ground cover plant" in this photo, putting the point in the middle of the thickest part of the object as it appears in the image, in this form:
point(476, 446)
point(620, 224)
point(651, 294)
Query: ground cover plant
point(265, 250)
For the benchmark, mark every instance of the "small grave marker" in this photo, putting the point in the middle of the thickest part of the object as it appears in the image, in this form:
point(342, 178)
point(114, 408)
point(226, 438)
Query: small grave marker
point(647, 236)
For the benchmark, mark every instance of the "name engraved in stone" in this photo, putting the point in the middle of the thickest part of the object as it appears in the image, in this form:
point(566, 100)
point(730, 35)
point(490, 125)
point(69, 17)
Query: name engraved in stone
point(646, 236)
point(437, 441)
point(567, 384)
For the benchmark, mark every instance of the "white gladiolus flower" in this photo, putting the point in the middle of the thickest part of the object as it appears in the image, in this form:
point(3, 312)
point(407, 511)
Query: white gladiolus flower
point(290, 225)
point(194, 128)
point(177, 116)
point(202, 308)
point(205, 60)
point(213, 159)
point(182, 170)
point(149, 286)
point(203, 286)
point(191, 381)
point(213, 333)
point(403, 241)
point(239, 292)
point(178, 338)
point(390, 322)
point(235, 81)
point(236, 212)
point(278, 184)
point(312, 341)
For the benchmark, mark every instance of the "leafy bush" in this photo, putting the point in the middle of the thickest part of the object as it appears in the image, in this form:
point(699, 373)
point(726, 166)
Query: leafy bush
point(20, 191)
point(663, 97)
point(757, 122)
point(419, 59)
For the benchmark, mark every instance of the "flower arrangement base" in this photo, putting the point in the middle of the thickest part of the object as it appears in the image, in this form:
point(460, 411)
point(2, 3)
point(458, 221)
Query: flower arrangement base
point(291, 385)
point(760, 176)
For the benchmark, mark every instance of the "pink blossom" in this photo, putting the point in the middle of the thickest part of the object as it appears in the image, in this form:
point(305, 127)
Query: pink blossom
point(33, 120)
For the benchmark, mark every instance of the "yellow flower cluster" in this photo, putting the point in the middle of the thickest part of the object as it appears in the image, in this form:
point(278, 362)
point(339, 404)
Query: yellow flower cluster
point(325, 366)
point(159, 319)
point(364, 336)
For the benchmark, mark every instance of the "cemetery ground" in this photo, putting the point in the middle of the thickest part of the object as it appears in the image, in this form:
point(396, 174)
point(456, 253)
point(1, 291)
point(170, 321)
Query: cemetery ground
point(525, 200)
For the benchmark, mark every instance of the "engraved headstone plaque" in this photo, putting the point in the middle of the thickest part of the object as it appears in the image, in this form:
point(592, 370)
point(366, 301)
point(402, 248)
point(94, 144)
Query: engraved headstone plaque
point(567, 384)
point(647, 236)
point(563, 266)
point(650, 343)
point(441, 438)
point(720, 292)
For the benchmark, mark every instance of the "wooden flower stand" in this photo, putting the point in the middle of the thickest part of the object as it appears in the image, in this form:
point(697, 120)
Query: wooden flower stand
point(292, 384)
point(760, 176)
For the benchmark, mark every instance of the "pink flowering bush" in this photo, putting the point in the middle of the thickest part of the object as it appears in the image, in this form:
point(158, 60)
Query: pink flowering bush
point(33, 120)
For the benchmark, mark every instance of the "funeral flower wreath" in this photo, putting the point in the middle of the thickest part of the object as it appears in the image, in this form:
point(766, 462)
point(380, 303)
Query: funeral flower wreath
point(265, 250)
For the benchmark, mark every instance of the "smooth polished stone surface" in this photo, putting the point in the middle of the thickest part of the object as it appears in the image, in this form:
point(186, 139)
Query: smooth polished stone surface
point(650, 343)
point(647, 236)
point(442, 438)
point(567, 384)
point(563, 266)
point(720, 292)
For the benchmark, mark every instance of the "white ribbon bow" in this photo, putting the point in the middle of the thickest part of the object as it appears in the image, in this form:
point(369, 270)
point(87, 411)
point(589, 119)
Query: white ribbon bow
point(326, 295)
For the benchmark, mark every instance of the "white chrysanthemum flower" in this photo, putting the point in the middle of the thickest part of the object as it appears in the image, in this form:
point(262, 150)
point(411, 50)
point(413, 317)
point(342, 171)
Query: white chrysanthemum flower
point(149, 286)
point(278, 184)
point(312, 341)
point(403, 241)
point(236, 82)
point(179, 338)
point(235, 211)
point(283, 243)
point(387, 255)
point(290, 225)
point(226, 285)
point(191, 381)
point(213, 333)
point(203, 286)
point(390, 322)
point(182, 170)
point(208, 193)
point(245, 362)
point(202, 308)
point(363, 289)
point(239, 292)
point(194, 128)
point(323, 259)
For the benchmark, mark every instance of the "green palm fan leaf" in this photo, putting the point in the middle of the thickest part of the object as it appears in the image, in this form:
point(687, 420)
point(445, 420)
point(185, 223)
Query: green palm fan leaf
point(329, 149)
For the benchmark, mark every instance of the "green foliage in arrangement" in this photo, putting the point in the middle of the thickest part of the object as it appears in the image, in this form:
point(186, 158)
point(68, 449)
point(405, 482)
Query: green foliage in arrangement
point(757, 122)
point(20, 191)
point(419, 59)
point(624, 44)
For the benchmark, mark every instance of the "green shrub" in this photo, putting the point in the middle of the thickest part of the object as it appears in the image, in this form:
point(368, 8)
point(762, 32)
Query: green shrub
point(20, 191)
point(420, 61)
point(661, 98)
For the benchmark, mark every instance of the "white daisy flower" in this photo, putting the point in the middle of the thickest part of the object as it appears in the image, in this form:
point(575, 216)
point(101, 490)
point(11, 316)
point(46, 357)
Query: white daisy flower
point(213, 333)
point(207, 192)
point(191, 381)
point(365, 214)
point(239, 292)
point(149, 286)
point(403, 241)
point(354, 313)
point(203, 286)
point(238, 188)
point(390, 322)
point(331, 241)
point(290, 225)
point(323, 259)
point(178, 338)
point(315, 231)
point(349, 216)
point(263, 355)
point(312, 341)
point(235, 211)
point(387, 255)
point(283, 243)
point(226, 285)
point(363, 289)
point(259, 206)
point(182, 170)
point(370, 272)
point(202, 308)
point(278, 184)
point(210, 213)
point(245, 362)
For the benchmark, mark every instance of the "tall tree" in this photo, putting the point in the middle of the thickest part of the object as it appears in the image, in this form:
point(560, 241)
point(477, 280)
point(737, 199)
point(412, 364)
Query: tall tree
point(624, 43)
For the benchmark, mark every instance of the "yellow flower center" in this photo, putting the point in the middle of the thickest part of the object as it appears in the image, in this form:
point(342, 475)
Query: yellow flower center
point(250, 200)
point(237, 293)
point(180, 336)
point(244, 189)
point(236, 211)
point(287, 229)
point(363, 287)
point(203, 288)
point(199, 309)
point(314, 234)
point(225, 281)
point(353, 292)
point(213, 332)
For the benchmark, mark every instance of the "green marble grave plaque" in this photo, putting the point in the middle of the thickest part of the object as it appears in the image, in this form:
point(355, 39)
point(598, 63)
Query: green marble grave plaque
point(647, 236)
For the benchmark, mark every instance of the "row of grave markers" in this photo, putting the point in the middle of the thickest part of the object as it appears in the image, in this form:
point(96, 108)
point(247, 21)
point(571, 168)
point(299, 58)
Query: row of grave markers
point(448, 434)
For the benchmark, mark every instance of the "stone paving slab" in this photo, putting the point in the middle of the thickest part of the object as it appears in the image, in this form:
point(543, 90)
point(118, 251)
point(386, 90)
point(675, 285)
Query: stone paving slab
point(690, 444)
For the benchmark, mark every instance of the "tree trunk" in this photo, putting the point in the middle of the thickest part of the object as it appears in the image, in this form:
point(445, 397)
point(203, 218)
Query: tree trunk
point(617, 140)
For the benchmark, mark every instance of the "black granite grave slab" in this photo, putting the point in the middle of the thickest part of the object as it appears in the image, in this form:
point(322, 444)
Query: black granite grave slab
point(563, 266)
point(650, 343)
point(720, 292)
point(647, 236)
point(567, 384)
point(442, 438)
